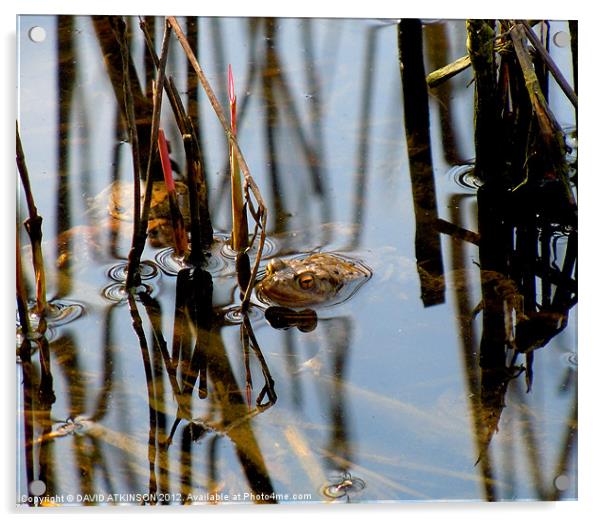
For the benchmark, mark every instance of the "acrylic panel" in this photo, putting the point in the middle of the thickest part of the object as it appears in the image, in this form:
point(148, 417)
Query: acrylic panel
point(278, 260)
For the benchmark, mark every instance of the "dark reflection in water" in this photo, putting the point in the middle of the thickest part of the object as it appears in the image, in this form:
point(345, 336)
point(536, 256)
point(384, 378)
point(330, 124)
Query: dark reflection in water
point(172, 395)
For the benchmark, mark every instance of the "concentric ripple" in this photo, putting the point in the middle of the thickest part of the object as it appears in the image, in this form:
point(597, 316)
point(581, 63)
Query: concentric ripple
point(118, 293)
point(270, 247)
point(342, 486)
point(61, 312)
point(233, 315)
point(571, 359)
point(72, 426)
point(464, 176)
point(170, 264)
point(148, 270)
point(45, 328)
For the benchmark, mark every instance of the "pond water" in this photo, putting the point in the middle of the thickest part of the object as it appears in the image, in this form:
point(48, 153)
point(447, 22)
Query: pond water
point(382, 397)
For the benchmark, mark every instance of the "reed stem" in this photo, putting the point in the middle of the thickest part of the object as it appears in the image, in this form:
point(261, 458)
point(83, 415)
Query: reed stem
point(33, 225)
point(260, 214)
point(141, 217)
point(240, 232)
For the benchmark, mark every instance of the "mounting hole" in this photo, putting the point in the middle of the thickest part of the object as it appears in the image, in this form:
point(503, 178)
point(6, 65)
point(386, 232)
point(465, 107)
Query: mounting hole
point(561, 483)
point(37, 34)
point(37, 488)
point(561, 39)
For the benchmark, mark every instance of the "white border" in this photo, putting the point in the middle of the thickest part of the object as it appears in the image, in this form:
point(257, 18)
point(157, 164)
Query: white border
point(589, 267)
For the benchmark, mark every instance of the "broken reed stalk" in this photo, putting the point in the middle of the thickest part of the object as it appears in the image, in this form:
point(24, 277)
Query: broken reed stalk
point(240, 232)
point(439, 76)
point(202, 235)
point(260, 214)
point(549, 128)
point(449, 71)
point(33, 225)
point(553, 68)
point(480, 44)
point(198, 239)
point(201, 230)
point(177, 221)
point(141, 217)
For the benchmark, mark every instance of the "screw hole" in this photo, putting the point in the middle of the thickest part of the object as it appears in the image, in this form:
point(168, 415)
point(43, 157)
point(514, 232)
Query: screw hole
point(37, 34)
point(561, 39)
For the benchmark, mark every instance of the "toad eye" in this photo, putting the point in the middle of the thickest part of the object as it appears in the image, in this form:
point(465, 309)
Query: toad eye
point(306, 280)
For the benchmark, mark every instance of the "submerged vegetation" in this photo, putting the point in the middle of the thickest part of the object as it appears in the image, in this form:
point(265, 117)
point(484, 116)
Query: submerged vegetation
point(524, 251)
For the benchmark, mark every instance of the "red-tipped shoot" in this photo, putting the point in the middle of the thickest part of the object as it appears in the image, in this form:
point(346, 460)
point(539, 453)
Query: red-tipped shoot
point(180, 236)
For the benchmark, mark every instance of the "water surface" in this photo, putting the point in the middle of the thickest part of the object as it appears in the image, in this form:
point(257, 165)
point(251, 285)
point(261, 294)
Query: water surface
point(383, 399)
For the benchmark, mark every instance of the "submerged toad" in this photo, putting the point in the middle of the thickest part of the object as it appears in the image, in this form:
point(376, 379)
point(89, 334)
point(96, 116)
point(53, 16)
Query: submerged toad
point(118, 199)
point(312, 280)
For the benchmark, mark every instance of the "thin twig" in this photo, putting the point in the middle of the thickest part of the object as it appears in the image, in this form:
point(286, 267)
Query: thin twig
point(564, 85)
point(130, 117)
point(140, 231)
point(33, 225)
point(268, 388)
point(171, 93)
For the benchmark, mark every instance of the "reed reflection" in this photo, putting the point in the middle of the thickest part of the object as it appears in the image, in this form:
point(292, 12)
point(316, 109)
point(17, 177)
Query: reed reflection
point(518, 274)
point(429, 262)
